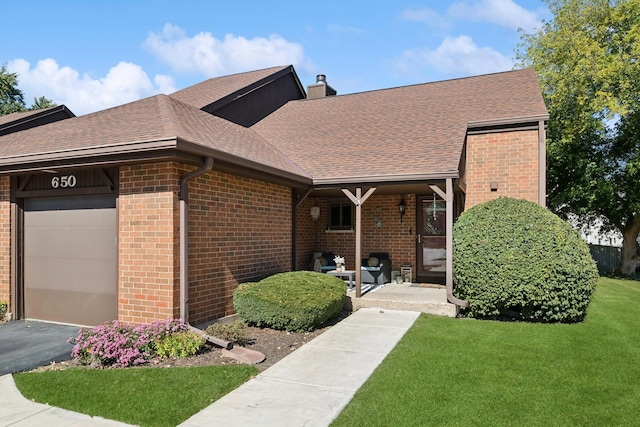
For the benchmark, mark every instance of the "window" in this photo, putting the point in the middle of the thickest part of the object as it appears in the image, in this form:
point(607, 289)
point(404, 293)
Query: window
point(341, 216)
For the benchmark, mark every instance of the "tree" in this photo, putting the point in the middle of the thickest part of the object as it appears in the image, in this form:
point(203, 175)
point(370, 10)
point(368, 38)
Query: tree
point(587, 59)
point(12, 98)
point(42, 103)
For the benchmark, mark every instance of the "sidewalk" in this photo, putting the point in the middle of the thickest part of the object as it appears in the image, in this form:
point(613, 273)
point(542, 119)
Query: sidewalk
point(310, 387)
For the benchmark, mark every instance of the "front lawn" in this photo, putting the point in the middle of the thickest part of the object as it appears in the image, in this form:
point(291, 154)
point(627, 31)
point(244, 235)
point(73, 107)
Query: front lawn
point(469, 372)
point(140, 396)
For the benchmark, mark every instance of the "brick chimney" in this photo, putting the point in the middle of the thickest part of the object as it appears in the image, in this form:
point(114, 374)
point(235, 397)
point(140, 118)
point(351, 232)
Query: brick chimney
point(320, 89)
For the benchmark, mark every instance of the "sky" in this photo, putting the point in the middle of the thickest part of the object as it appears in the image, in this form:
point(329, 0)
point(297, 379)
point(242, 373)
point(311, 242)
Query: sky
point(92, 55)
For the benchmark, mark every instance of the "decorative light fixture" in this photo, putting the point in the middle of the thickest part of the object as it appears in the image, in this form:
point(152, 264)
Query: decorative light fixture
point(402, 208)
point(315, 212)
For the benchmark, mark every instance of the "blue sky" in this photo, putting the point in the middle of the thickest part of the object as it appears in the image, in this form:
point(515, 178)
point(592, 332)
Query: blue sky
point(91, 55)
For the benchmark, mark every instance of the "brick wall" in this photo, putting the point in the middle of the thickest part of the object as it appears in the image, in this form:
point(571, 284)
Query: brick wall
point(508, 158)
point(381, 231)
point(240, 229)
point(307, 230)
point(5, 241)
point(148, 258)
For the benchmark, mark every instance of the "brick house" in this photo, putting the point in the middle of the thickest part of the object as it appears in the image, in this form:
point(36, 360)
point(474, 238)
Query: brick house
point(161, 207)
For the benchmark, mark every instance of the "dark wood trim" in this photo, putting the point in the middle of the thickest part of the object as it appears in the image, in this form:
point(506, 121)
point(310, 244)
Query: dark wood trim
point(294, 226)
point(66, 192)
point(542, 165)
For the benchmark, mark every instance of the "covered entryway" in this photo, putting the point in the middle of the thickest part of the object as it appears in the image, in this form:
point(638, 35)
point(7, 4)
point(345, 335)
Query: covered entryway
point(70, 259)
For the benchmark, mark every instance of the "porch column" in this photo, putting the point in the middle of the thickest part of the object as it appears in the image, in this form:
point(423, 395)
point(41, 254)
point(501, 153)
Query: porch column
point(448, 197)
point(358, 200)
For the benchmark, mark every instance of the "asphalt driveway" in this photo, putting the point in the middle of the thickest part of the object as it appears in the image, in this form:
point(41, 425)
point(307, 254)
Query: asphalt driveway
point(25, 345)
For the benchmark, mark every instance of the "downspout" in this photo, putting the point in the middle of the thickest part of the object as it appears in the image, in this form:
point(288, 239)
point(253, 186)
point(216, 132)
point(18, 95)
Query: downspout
point(449, 275)
point(448, 198)
point(184, 236)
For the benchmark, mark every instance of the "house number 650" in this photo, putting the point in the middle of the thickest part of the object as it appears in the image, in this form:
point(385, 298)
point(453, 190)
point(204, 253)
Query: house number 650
point(63, 181)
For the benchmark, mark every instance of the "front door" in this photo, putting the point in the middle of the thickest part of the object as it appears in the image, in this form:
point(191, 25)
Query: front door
point(431, 239)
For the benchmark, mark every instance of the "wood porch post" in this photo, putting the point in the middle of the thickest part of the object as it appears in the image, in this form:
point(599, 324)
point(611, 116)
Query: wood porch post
point(448, 197)
point(358, 200)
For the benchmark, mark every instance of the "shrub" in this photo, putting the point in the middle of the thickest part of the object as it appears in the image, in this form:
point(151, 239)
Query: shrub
point(235, 332)
point(3, 309)
point(180, 344)
point(513, 257)
point(115, 344)
point(294, 301)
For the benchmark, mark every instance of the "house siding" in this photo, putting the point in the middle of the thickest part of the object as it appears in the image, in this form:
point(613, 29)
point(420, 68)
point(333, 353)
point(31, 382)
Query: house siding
point(508, 158)
point(5, 241)
point(239, 230)
point(148, 243)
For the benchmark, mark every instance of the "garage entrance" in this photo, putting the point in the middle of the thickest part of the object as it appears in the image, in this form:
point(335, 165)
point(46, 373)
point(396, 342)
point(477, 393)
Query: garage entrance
point(70, 259)
point(68, 250)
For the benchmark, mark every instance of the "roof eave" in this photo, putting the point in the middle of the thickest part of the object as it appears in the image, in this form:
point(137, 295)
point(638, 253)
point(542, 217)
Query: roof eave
point(507, 122)
point(383, 179)
point(224, 158)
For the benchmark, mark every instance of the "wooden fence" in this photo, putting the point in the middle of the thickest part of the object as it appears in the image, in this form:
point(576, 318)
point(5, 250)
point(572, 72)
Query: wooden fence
point(607, 257)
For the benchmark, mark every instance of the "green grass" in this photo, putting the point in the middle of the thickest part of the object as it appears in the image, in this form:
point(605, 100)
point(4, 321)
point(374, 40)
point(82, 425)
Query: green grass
point(484, 373)
point(141, 396)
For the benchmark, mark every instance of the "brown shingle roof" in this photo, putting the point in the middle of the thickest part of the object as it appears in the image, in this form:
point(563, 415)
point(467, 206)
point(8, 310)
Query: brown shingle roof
point(413, 132)
point(154, 123)
point(408, 131)
point(202, 94)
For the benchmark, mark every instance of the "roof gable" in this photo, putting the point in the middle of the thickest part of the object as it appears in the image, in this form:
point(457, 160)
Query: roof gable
point(213, 90)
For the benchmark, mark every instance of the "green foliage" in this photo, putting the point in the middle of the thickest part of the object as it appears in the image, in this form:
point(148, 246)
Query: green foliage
point(3, 309)
point(294, 301)
point(588, 62)
point(513, 257)
point(235, 332)
point(12, 98)
point(182, 344)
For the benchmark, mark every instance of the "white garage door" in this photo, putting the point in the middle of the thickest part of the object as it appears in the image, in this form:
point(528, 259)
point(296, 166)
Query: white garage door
point(70, 259)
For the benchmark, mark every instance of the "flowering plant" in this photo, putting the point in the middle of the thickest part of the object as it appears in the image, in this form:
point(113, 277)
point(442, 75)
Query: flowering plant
point(339, 260)
point(116, 344)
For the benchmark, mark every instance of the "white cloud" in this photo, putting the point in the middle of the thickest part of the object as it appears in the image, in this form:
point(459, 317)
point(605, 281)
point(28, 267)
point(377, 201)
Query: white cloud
point(505, 13)
point(427, 16)
point(124, 83)
point(455, 57)
point(206, 55)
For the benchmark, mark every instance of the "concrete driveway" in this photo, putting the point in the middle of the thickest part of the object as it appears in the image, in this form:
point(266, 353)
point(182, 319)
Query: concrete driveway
point(25, 344)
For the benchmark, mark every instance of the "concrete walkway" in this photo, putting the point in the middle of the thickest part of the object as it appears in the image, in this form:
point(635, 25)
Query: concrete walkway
point(310, 387)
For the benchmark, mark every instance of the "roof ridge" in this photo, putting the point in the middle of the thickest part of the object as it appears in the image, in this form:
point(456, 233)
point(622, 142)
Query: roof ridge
point(415, 85)
point(170, 122)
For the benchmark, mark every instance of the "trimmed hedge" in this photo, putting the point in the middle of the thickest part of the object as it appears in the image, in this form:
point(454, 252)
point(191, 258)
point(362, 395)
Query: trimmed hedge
point(514, 258)
point(294, 301)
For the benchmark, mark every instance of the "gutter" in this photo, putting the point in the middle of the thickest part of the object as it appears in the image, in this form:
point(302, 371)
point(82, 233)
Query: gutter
point(184, 236)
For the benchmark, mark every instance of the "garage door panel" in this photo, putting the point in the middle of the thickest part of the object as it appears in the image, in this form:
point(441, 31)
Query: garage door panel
point(70, 259)
point(67, 275)
point(79, 243)
point(77, 308)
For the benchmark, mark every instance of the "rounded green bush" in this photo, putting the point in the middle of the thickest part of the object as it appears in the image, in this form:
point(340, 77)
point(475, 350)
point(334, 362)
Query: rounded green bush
point(514, 258)
point(294, 301)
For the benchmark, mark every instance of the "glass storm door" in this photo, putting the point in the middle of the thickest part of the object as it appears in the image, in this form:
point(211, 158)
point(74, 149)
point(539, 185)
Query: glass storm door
point(432, 239)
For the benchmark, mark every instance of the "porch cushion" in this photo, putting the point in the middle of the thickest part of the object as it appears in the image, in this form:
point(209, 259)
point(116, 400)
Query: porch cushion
point(373, 262)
